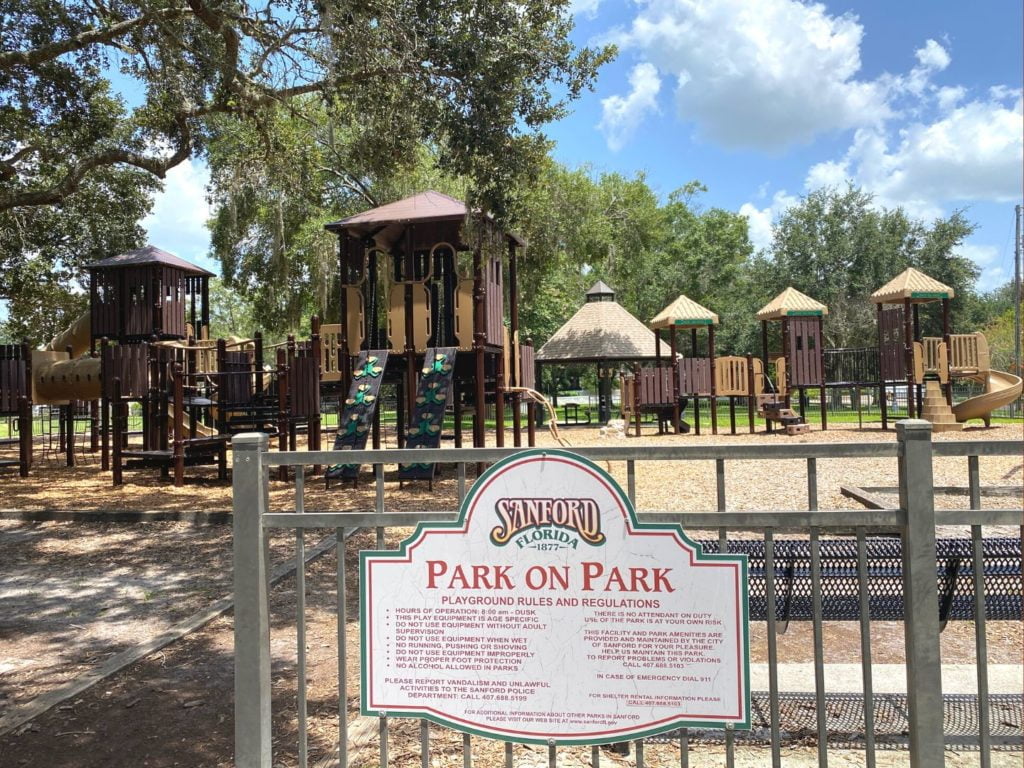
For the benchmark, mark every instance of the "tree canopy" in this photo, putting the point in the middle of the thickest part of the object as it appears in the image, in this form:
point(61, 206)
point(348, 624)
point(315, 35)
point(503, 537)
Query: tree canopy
point(476, 79)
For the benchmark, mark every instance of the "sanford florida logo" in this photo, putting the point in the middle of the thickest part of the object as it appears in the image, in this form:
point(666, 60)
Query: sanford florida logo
point(547, 523)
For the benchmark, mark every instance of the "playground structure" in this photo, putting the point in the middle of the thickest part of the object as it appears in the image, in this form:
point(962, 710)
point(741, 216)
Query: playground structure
point(136, 349)
point(423, 308)
point(933, 362)
point(924, 367)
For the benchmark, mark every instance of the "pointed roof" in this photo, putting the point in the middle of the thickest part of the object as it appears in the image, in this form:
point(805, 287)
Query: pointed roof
point(423, 207)
point(600, 292)
point(684, 312)
point(914, 285)
point(600, 330)
point(149, 254)
point(791, 303)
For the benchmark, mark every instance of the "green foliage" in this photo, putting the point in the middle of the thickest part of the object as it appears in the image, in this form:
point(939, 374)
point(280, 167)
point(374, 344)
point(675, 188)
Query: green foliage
point(43, 249)
point(838, 247)
point(999, 333)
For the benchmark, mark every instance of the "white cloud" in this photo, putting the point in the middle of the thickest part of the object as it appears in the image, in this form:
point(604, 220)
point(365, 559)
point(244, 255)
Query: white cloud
point(622, 116)
point(969, 152)
point(586, 8)
point(177, 222)
point(759, 74)
point(760, 220)
point(933, 56)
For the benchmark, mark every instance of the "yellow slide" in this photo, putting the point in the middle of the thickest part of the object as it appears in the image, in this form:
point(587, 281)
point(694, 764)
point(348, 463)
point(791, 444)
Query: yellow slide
point(1001, 388)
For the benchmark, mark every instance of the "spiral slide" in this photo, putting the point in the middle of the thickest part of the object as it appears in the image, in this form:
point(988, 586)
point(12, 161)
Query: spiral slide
point(56, 378)
point(1001, 388)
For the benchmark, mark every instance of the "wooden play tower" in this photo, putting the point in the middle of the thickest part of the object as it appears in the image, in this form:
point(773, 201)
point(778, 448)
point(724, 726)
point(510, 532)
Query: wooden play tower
point(423, 300)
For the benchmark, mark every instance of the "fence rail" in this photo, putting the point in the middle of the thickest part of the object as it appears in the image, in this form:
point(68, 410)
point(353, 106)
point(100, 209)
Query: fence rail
point(918, 575)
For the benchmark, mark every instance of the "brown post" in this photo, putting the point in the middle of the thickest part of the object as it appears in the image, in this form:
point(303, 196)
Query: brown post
point(714, 388)
point(178, 426)
point(949, 349)
point(117, 416)
point(515, 379)
point(313, 423)
point(24, 435)
point(106, 369)
point(917, 337)
point(636, 398)
point(821, 367)
point(257, 355)
point(282, 408)
point(785, 356)
point(908, 355)
point(750, 392)
point(69, 430)
point(479, 335)
point(410, 347)
point(696, 398)
point(25, 428)
point(205, 283)
point(675, 365)
point(881, 372)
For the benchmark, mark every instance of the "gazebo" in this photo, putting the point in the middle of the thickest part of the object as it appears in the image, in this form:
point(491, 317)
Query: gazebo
point(696, 374)
point(602, 332)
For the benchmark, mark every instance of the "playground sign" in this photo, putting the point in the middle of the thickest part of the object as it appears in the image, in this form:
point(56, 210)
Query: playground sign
point(547, 612)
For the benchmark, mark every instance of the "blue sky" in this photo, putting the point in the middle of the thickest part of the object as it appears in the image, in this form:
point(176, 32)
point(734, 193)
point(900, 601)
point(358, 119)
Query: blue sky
point(917, 102)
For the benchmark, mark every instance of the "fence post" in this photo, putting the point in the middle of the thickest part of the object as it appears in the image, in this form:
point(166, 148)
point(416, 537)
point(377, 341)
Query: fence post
point(921, 631)
point(252, 627)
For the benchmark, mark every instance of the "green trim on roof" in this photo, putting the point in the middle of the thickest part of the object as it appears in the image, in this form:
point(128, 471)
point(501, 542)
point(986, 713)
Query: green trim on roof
point(804, 313)
point(694, 321)
point(930, 295)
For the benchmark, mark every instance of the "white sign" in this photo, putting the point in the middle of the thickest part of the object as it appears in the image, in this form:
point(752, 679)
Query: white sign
point(547, 612)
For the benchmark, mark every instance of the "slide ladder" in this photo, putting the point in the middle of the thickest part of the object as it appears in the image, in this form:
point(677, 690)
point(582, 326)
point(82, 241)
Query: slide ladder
point(357, 416)
point(432, 396)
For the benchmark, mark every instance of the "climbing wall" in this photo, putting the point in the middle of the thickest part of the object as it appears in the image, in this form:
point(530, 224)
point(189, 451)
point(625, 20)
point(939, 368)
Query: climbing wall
point(432, 396)
point(357, 415)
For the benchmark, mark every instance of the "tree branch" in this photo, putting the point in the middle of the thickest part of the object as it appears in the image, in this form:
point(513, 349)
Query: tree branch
point(73, 178)
point(36, 56)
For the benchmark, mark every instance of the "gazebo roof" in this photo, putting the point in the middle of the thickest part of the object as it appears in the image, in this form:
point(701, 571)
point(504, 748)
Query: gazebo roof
point(684, 312)
point(914, 285)
point(429, 206)
point(791, 303)
point(150, 254)
point(600, 330)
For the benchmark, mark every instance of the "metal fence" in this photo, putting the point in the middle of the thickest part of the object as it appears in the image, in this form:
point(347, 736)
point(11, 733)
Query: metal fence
point(914, 521)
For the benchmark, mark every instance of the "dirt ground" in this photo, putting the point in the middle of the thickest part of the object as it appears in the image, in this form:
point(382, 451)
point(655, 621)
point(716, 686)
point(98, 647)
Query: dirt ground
point(110, 586)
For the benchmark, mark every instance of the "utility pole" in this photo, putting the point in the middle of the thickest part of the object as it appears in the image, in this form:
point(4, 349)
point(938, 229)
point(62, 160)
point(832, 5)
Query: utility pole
point(1016, 295)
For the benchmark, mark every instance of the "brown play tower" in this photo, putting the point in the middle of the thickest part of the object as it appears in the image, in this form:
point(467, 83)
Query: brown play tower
point(423, 282)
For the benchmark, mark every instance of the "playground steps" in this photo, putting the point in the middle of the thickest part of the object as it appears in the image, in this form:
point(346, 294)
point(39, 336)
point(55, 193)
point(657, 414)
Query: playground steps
point(791, 421)
point(936, 410)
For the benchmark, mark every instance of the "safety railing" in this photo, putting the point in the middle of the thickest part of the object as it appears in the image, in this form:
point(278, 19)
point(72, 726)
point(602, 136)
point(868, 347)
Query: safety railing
point(914, 520)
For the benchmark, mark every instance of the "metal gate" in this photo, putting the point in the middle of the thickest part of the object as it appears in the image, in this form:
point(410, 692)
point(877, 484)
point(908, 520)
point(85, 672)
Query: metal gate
point(912, 564)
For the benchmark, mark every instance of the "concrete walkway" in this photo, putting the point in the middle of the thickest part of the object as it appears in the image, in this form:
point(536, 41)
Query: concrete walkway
point(888, 678)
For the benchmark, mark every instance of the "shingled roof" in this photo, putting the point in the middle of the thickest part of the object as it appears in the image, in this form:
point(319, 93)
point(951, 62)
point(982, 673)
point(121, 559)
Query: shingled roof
point(791, 303)
point(423, 207)
point(600, 330)
point(684, 312)
point(150, 254)
point(914, 285)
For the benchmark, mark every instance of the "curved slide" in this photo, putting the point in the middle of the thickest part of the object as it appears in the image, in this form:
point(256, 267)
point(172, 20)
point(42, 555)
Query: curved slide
point(1001, 388)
